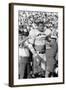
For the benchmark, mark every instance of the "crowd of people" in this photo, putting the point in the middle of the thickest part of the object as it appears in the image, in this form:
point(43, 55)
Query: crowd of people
point(38, 44)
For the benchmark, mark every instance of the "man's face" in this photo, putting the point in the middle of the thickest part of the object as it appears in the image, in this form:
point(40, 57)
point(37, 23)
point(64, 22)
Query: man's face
point(41, 27)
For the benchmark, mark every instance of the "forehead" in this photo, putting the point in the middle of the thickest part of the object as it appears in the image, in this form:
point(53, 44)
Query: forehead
point(40, 24)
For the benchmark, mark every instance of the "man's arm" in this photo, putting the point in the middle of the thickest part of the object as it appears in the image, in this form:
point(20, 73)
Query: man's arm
point(31, 48)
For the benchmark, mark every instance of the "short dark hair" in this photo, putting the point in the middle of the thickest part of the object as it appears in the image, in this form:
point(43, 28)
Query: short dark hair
point(40, 22)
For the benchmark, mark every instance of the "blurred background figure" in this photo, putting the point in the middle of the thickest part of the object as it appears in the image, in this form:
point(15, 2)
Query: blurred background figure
point(24, 55)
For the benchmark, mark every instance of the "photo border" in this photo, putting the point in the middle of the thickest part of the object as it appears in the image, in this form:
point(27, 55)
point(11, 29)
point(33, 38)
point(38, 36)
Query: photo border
point(11, 43)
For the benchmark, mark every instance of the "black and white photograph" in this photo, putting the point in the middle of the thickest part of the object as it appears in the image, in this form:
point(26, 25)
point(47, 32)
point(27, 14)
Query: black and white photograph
point(38, 44)
point(37, 56)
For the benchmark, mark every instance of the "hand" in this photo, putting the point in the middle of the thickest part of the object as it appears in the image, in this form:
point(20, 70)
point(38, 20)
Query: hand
point(37, 58)
point(35, 55)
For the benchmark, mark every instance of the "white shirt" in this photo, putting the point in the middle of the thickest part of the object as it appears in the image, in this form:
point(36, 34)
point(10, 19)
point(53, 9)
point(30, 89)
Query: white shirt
point(33, 34)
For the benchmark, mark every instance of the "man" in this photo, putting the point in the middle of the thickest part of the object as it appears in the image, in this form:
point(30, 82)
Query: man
point(37, 45)
point(24, 57)
point(51, 51)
